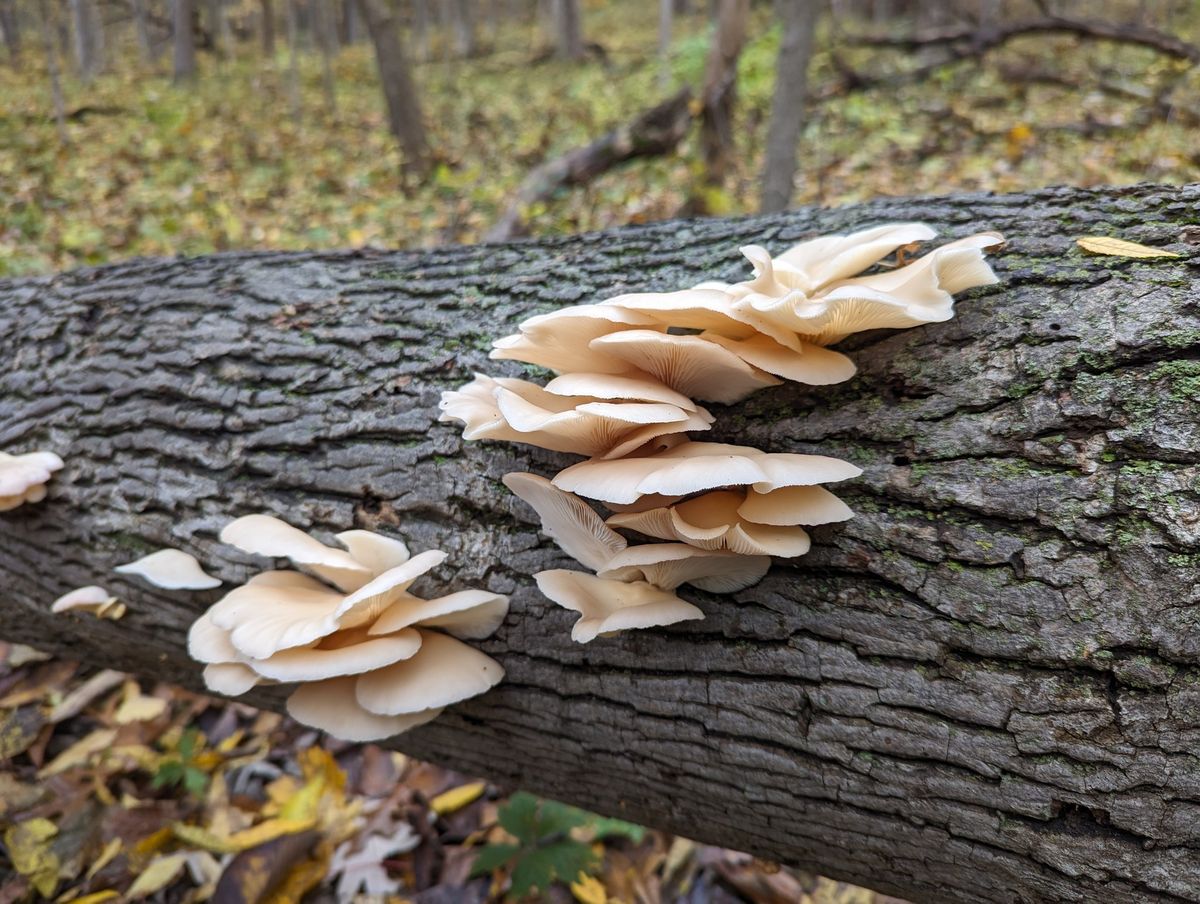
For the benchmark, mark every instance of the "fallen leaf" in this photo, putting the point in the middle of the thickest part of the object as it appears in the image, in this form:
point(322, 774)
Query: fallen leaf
point(96, 897)
point(158, 875)
point(362, 871)
point(589, 890)
point(1102, 244)
point(19, 729)
point(29, 850)
point(75, 702)
point(80, 752)
point(456, 798)
point(253, 874)
point(136, 707)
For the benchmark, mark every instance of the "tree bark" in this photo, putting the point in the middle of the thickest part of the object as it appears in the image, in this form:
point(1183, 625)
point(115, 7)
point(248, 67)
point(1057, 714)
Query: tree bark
point(399, 90)
point(983, 688)
point(184, 41)
point(10, 26)
point(787, 105)
point(46, 15)
point(141, 26)
point(267, 19)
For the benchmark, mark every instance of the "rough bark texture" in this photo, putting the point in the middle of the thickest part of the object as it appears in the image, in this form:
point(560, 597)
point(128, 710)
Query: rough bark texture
point(985, 687)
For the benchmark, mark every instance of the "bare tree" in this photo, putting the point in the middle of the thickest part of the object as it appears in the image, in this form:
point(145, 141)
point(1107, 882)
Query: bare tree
point(293, 40)
point(266, 12)
point(720, 87)
point(421, 28)
point(399, 90)
point(56, 92)
point(787, 106)
point(327, 38)
point(462, 17)
point(666, 15)
point(141, 26)
point(216, 31)
point(568, 28)
point(88, 37)
point(184, 56)
point(11, 27)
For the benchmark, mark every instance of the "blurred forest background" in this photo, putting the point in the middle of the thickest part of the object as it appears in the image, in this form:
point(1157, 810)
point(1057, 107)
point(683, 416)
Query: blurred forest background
point(159, 127)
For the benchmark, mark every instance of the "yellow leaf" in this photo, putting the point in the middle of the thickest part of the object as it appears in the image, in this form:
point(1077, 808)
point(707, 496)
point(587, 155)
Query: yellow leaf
point(157, 876)
point(96, 897)
point(243, 840)
point(106, 856)
point(80, 752)
point(589, 890)
point(152, 843)
point(1102, 244)
point(29, 850)
point(456, 798)
point(138, 708)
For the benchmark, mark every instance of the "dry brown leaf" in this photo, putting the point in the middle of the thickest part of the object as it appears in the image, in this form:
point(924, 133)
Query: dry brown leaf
point(75, 702)
point(1102, 244)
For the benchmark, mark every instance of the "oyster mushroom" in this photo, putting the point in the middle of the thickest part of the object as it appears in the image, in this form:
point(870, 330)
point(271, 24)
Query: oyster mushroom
point(23, 478)
point(607, 606)
point(171, 569)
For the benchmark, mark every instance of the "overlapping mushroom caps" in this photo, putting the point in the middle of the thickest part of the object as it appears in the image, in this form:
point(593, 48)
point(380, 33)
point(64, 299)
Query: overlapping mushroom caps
point(23, 478)
point(372, 659)
point(628, 368)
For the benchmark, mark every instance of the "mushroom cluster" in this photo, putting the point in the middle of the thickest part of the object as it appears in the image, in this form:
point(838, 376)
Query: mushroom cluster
point(372, 660)
point(627, 371)
point(23, 478)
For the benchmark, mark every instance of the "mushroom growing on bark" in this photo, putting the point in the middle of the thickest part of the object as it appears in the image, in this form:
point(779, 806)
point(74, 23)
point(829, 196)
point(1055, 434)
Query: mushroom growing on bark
point(23, 478)
point(93, 599)
point(171, 569)
point(289, 627)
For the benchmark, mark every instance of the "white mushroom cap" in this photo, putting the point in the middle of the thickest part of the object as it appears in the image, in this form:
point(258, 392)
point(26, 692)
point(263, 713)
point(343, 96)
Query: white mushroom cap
point(366, 603)
point(276, 610)
point(742, 521)
point(343, 653)
point(568, 520)
point(375, 552)
point(209, 643)
point(607, 606)
point(689, 364)
point(667, 565)
point(266, 535)
point(560, 340)
point(90, 597)
point(170, 569)
point(628, 387)
point(442, 672)
point(520, 411)
point(709, 310)
point(467, 614)
point(332, 707)
point(812, 365)
point(794, 505)
point(828, 258)
point(232, 679)
point(23, 477)
point(692, 467)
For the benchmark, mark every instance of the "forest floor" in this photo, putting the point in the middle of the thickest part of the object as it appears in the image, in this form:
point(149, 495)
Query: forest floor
point(111, 787)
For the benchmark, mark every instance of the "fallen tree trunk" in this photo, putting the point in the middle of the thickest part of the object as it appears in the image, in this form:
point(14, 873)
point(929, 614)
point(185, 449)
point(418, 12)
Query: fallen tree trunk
point(983, 688)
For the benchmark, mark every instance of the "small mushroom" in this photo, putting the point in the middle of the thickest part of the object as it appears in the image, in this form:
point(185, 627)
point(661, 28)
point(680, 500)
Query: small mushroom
point(467, 614)
point(812, 265)
point(561, 339)
point(522, 412)
point(231, 679)
point(443, 671)
point(742, 520)
point(265, 535)
point(93, 599)
point(667, 565)
point(692, 467)
point(568, 520)
point(23, 478)
point(332, 707)
point(607, 606)
point(350, 652)
point(170, 569)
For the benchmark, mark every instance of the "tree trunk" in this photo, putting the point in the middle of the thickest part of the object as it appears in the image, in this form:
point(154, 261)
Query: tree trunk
point(464, 27)
point(720, 88)
point(267, 19)
point(293, 45)
point(983, 688)
point(666, 13)
point(46, 16)
point(141, 26)
point(399, 89)
point(216, 32)
point(10, 26)
point(184, 41)
point(327, 37)
point(787, 106)
point(88, 37)
point(568, 28)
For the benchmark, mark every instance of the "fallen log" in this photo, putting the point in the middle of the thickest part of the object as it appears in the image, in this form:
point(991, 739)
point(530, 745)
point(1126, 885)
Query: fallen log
point(652, 132)
point(984, 688)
